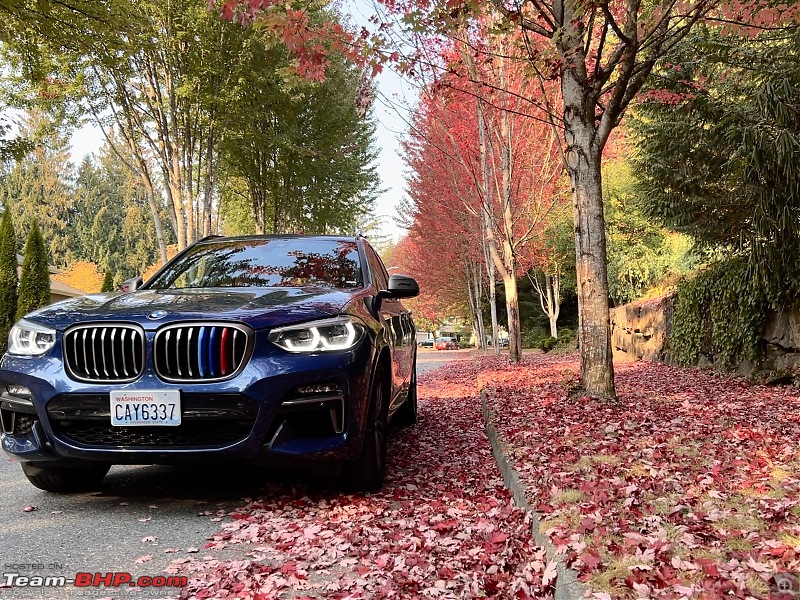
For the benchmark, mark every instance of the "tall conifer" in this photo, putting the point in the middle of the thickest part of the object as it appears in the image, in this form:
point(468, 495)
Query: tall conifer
point(34, 282)
point(8, 277)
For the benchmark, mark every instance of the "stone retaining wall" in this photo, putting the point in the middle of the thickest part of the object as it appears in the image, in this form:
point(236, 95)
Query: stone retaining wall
point(640, 330)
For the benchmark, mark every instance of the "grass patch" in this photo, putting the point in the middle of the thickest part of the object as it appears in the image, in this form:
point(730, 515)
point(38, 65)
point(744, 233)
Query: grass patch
point(741, 522)
point(639, 470)
point(584, 464)
point(568, 497)
point(757, 585)
point(673, 533)
point(607, 459)
point(738, 544)
point(687, 451)
point(569, 518)
point(587, 462)
point(611, 579)
point(779, 475)
point(789, 539)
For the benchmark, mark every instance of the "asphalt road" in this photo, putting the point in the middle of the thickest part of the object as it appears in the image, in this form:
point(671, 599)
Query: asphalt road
point(141, 511)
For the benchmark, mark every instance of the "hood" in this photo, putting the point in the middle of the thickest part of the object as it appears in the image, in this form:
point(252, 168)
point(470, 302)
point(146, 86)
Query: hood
point(258, 307)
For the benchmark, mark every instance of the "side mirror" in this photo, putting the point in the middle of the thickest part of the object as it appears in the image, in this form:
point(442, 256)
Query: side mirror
point(131, 285)
point(401, 286)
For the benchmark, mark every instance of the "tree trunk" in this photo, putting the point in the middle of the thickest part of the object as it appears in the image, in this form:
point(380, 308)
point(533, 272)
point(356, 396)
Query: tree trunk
point(509, 259)
point(151, 200)
point(553, 283)
point(475, 293)
point(492, 296)
point(549, 297)
point(583, 163)
point(210, 181)
point(174, 198)
point(512, 307)
point(487, 212)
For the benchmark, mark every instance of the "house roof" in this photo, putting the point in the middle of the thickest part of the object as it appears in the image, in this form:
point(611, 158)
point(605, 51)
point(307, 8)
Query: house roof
point(62, 289)
point(50, 268)
point(56, 287)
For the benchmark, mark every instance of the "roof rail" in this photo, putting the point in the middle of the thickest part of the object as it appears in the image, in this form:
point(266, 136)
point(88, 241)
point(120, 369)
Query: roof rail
point(210, 237)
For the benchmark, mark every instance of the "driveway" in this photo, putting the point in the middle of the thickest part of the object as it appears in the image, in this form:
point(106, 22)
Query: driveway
point(428, 360)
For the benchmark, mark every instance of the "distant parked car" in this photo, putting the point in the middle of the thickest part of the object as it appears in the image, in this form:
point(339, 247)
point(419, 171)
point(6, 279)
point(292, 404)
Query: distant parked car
point(426, 343)
point(446, 343)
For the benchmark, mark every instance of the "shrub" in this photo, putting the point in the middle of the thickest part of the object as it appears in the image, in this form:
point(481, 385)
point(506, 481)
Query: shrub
point(533, 337)
point(567, 338)
point(548, 343)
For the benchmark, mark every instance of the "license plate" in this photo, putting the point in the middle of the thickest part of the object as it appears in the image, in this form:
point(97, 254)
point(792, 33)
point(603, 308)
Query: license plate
point(141, 408)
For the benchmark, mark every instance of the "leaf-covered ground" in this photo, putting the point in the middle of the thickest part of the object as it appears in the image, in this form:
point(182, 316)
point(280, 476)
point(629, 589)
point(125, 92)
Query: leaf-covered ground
point(688, 487)
point(443, 526)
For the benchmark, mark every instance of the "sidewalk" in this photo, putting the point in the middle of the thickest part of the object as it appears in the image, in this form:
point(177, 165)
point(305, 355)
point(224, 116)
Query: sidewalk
point(688, 487)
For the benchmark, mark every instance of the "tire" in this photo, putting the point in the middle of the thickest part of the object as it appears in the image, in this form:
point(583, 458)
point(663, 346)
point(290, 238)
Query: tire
point(407, 413)
point(64, 480)
point(366, 473)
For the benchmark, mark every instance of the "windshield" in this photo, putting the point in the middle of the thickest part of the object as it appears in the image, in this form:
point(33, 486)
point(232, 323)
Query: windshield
point(293, 262)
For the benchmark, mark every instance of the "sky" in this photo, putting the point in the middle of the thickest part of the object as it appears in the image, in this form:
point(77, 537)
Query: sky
point(394, 101)
point(391, 115)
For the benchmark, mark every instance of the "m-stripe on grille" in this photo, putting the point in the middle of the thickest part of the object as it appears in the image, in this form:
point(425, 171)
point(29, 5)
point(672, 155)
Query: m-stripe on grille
point(104, 352)
point(201, 352)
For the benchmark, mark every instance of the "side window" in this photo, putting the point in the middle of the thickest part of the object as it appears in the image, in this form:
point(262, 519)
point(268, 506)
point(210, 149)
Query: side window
point(379, 276)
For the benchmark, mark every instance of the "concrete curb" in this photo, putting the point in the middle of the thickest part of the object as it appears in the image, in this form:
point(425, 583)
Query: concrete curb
point(567, 585)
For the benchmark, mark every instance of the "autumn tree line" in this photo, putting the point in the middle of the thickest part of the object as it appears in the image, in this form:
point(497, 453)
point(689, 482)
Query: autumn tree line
point(206, 128)
point(675, 133)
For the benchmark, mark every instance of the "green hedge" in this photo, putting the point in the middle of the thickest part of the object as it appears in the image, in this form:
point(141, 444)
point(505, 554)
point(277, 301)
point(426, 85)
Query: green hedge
point(720, 312)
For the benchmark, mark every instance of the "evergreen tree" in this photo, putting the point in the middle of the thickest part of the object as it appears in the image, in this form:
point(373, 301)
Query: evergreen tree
point(40, 186)
point(108, 282)
point(8, 277)
point(112, 225)
point(34, 283)
point(717, 152)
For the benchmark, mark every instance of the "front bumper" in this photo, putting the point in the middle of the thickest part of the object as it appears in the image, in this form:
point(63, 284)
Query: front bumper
point(266, 414)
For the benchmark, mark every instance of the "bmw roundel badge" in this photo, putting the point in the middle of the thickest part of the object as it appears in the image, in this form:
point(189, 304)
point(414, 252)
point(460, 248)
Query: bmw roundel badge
point(156, 315)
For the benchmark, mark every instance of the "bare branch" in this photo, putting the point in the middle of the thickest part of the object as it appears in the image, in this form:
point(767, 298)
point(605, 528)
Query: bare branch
point(612, 22)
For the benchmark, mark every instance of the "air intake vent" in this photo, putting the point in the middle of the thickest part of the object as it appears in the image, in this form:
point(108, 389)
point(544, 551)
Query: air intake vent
point(100, 353)
point(201, 351)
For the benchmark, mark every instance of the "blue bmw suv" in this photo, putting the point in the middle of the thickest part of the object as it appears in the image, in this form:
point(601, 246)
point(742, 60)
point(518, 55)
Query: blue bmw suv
point(276, 350)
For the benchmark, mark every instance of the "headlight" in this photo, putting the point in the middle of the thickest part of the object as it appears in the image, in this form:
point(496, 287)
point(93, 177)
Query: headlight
point(30, 339)
point(341, 333)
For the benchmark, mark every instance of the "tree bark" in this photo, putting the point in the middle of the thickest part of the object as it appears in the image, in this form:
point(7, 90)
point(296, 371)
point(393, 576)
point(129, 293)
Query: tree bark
point(509, 259)
point(210, 181)
point(512, 307)
point(475, 297)
point(487, 251)
point(553, 282)
point(487, 213)
point(583, 155)
point(151, 200)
